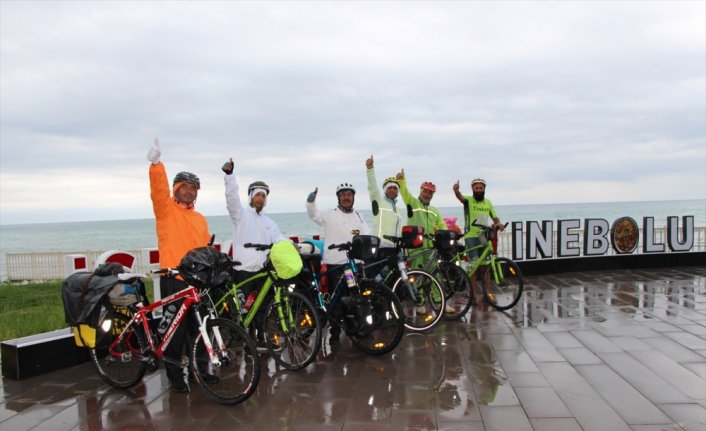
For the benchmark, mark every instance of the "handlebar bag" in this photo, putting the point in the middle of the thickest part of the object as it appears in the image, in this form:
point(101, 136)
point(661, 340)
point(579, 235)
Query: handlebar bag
point(412, 236)
point(286, 259)
point(206, 267)
point(364, 247)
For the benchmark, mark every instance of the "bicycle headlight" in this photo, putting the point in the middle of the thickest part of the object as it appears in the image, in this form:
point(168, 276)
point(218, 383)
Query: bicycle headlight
point(106, 325)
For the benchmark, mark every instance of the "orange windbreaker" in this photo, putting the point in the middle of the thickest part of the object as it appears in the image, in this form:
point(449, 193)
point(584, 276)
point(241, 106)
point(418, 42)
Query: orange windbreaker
point(178, 229)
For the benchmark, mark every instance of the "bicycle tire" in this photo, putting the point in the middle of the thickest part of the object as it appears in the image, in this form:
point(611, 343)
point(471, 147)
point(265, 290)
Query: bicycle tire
point(430, 298)
point(386, 328)
point(297, 345)
point(505, 294)
point(122, 366)
point(457, 289)
point(238, 374)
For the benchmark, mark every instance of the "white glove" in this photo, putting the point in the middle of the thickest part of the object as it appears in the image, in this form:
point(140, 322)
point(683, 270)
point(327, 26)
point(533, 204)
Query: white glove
point(154, 152)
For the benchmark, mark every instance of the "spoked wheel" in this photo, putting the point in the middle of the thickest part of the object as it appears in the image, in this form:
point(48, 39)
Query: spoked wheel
point(426, 310)
point(382, 323)
point(292, 331)
point(120, 363)
point(457, 289)
point(503, 289)
point(236, 375)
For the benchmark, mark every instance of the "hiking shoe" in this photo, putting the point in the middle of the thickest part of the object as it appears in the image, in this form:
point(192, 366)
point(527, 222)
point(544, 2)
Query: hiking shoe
point(209, 379)
point(179, 386)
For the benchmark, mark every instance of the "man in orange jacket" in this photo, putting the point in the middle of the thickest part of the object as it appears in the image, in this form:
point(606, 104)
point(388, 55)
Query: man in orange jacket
point(180, 228)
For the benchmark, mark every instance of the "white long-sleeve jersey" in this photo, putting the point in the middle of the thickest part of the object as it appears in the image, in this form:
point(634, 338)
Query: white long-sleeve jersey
point(248, 227)
point(339, 227)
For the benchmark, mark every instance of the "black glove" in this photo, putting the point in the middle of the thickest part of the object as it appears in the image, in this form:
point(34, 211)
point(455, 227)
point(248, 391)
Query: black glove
point(228, 166)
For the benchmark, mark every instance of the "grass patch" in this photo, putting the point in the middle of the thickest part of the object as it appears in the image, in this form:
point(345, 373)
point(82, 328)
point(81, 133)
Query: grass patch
point(33, 308)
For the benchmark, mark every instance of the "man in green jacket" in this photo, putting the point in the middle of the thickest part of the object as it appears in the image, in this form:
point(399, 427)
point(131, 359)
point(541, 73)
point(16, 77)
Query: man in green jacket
point(420, 212)
point(479, 209)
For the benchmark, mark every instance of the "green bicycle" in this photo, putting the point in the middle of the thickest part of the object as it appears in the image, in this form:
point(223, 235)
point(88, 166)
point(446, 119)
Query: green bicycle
point(502, 281)
point(291, 329)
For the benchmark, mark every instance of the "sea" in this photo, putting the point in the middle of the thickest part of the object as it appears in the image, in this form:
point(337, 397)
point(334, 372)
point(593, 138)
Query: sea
point(80, 237)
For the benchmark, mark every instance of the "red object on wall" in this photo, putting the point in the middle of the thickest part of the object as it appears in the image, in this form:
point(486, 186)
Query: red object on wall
point(80, 263)
point(154, 257)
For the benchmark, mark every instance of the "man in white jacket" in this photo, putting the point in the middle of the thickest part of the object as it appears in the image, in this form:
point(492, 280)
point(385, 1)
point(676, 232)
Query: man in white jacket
point(250, 225)
point(389, 212)
point(340, 224)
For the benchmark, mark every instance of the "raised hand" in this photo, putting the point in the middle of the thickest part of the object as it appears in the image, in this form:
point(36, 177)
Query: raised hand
point(312, 195)
point(228, 167)
point(369, 162)
point(154, 153)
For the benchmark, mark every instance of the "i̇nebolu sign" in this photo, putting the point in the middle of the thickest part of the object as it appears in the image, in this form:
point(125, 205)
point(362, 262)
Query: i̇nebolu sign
point(534, 240)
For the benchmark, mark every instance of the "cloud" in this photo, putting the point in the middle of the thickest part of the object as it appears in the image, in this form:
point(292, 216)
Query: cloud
point(551, 102)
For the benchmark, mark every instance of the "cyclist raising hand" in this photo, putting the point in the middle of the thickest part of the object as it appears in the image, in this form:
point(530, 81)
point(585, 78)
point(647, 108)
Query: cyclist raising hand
point(180, 228)
point(340, 224)
point(250, 225)
point(476, 208)
point(389, 213)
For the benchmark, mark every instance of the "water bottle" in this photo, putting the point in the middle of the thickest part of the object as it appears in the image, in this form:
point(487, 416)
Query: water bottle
point(350, 279)
point(241, 301)
point(402, 266)
point(249, 302)
point(167, 318)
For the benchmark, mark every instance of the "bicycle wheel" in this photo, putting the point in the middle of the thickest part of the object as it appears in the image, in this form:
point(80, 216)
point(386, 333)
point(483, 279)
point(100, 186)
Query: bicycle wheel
point(237, 374)
point(292, 330)
point(383, 322)
point(427, 309)
point(120, 364)
point(457, 289)
point(506, 291)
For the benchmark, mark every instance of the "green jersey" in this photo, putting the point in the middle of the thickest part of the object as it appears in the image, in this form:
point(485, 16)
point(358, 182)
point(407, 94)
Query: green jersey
point(422, 215)
point(472, 210)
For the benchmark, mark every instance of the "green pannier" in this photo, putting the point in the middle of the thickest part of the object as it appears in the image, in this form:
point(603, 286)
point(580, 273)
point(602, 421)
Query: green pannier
point(286, 260)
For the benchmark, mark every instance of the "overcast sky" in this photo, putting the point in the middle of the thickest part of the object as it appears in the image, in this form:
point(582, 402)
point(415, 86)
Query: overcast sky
point(550, 102)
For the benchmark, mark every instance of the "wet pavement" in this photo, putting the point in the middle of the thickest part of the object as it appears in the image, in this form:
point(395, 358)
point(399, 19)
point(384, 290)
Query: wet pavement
point(608, 350)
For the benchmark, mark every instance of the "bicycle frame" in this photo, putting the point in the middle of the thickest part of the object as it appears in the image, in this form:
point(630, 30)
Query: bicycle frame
point(259, 300)
point(190, 296)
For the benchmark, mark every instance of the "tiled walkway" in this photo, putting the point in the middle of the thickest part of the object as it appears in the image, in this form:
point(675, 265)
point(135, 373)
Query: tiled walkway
point(618, 350)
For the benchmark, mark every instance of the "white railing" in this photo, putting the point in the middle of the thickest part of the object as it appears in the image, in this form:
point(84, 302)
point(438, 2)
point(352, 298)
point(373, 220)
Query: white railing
point(51, 265)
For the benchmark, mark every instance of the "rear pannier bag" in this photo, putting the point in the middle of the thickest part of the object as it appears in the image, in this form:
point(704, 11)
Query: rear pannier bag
point(85, 294)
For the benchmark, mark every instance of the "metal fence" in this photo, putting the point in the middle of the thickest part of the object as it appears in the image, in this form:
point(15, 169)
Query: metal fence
point(52, 265)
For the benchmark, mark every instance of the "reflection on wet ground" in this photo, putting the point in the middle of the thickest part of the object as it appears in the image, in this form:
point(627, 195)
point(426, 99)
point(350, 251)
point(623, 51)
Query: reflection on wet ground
point(609, 350)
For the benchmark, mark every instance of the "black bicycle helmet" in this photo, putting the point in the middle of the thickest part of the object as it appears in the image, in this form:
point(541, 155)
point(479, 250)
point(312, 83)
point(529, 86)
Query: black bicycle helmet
point(188, 177)
point(259, 185)
point(344, 186)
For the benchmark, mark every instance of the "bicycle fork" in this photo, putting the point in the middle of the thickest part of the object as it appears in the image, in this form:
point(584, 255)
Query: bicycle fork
point(412, 290)
point(207, 341)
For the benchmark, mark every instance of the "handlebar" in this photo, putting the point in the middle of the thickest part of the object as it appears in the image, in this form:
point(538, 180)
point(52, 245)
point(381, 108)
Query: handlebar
point(344, 246)
point(169, 272)
point(258, 247)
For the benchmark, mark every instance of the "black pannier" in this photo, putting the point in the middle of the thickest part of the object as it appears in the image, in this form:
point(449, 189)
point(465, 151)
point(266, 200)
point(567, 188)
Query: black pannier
point(445, 240)
point(206, 267)
point(365, 247)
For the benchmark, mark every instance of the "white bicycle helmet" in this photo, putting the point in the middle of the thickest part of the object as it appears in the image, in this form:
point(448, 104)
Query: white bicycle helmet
point(344, 186)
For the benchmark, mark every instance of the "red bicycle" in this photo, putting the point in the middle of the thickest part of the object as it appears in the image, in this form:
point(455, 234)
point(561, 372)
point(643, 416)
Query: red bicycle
point(129, 342)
